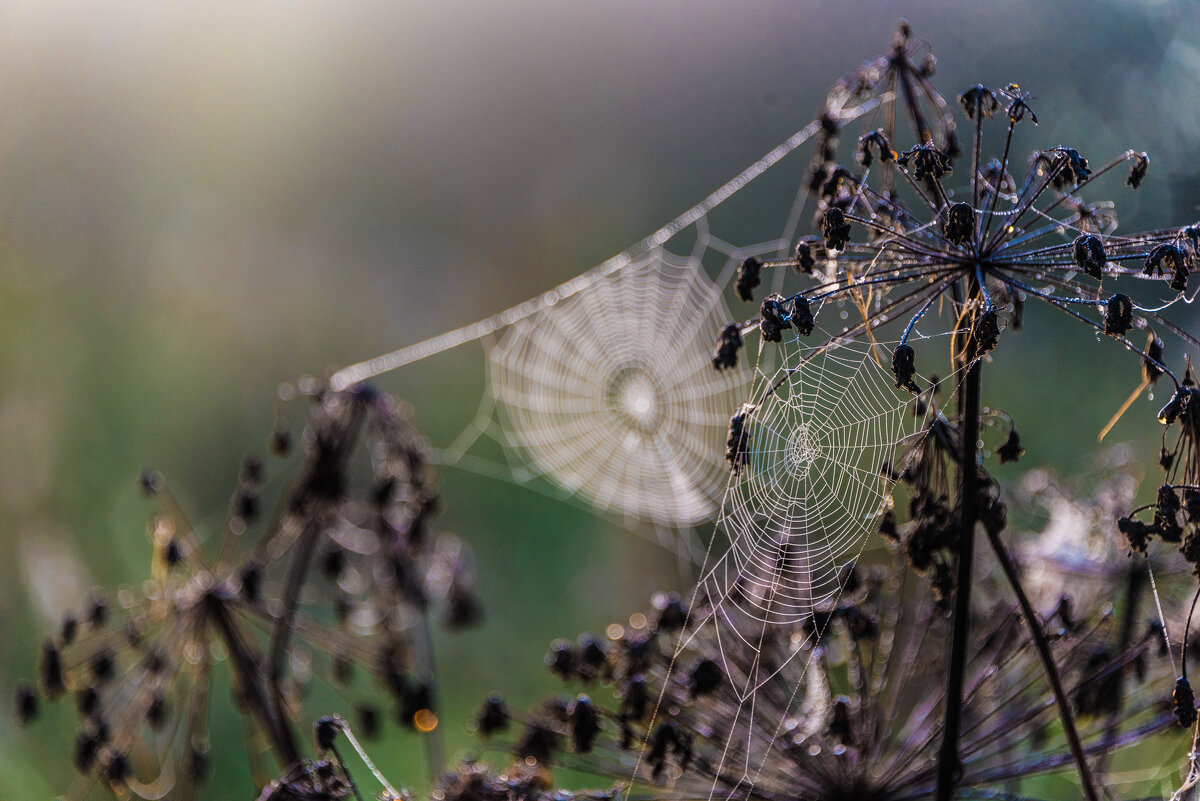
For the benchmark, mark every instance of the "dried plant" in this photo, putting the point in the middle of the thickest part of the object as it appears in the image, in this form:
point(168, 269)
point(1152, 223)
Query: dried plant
point(910, 248)
point(915, 679)
point(327, 778)
point(343, 576)
point(858, 715)
point(473, 781)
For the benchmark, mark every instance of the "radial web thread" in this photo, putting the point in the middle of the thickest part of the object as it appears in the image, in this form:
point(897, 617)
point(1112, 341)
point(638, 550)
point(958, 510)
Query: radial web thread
point(825, 431)
point(822, 429)
point(612, 391)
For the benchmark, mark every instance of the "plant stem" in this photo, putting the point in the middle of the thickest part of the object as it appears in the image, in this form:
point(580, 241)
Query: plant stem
point(249, 675)
point(949, 765)
point(1043, 649)
point(283, 627)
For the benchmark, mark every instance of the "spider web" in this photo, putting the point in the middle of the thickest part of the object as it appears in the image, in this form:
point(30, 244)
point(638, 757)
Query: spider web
point(603, 387)
point(824, 429)
point(824, 432)
point(627, 415)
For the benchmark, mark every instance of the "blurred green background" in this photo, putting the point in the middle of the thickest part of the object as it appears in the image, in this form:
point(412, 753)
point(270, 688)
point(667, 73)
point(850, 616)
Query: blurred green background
point(199, 201)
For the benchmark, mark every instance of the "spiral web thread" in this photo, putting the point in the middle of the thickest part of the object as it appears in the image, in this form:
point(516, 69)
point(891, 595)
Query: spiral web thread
point(610, 397)
point(613, 394)
point(825, 431)
point(822, 429)
point(604, 385)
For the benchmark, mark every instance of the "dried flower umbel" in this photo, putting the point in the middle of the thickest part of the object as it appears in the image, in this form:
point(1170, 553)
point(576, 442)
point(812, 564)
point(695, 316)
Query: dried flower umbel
point(327, 778)
point(906, 243)
point(847, 704)
point(473, 781)
point(1080, 551)
point(341, 578)
point(1077, 547)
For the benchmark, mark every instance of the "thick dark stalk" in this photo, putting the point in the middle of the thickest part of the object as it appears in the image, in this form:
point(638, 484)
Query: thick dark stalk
point(250, 678)
point(949, 764)
point(920, 126)
point(889, 125)
point(283, 626)
point(316, 508)
point(1066, 717)
point(975, 152)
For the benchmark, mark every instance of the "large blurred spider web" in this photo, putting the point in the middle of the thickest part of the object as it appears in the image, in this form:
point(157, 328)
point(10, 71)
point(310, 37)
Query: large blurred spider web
point(601, 391)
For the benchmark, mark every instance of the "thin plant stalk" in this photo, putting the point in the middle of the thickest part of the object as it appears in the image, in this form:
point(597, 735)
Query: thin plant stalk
point(283, 628)
point(949, 769)
point(249, 675)
point(1043, 648)
point(435, 751)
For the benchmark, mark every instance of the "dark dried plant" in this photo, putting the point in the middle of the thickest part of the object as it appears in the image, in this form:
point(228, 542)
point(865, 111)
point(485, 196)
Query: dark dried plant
point(1071, 542)
point(857, 715)
point(879, 694)
point(343, 576)
point(327, 778)
point(1080, 555)
point(474, 781)
point(910, 248)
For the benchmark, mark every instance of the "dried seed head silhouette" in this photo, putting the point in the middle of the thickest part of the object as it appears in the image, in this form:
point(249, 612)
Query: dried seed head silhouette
point(343, 576)
point(977, 258)
point(902, 250)
point(327, 778)
point(845, 704)
point(790, 674)
point(475, 782)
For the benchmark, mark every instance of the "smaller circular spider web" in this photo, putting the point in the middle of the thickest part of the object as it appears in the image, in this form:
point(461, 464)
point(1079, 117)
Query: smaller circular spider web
point(822, 429)
point(626, 348)
point(611, 392)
